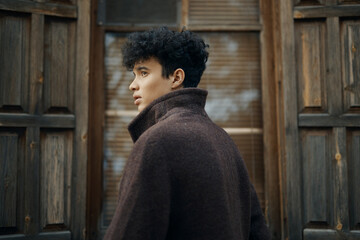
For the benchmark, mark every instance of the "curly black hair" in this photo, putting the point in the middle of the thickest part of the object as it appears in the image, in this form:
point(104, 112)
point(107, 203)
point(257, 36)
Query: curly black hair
point(172, 49)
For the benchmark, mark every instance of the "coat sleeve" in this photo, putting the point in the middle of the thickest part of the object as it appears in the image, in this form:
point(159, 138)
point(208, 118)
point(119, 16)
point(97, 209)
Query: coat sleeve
point(144, 198)
point(258, 228)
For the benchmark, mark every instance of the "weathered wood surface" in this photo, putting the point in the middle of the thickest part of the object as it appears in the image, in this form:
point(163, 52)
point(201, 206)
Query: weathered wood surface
point(80, 161)
point(45, 200)
point(32, 180)
point(28, 6)
point(333, 66)
point(328, 11)
point(315, 175)
point(14, 61)
point(61, 235)
point(288, 119)
point(353, 154)
point(327, 120)
point(96, 122)
point(350, 42)
point(36, 65)
point(59, 65)
point(310, 65)
point(9, 161)
point(48, 120)
point(339, 157)
point(269, 109)
point(56, 156)
point(185, 13)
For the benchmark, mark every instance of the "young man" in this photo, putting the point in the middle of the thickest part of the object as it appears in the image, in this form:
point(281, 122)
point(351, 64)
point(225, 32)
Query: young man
point(185, 178)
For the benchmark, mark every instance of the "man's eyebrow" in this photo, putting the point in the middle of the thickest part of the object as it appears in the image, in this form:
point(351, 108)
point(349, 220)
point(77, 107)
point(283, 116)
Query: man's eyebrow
point(141, 68)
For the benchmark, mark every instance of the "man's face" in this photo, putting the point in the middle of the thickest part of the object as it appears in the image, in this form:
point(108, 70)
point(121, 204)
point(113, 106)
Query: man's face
point(149, 84)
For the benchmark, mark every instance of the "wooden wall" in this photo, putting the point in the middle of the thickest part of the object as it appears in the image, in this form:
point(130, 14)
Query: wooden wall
point(43, 118)
point(317, 61)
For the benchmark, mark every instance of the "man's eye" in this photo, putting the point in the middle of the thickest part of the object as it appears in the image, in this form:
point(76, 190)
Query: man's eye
point(143, 74)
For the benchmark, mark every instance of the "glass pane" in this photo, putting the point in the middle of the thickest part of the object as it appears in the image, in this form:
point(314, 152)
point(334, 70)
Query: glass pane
point(128, 12)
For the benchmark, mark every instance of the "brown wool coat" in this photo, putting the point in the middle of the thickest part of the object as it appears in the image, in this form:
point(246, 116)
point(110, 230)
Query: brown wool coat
point(185, 178)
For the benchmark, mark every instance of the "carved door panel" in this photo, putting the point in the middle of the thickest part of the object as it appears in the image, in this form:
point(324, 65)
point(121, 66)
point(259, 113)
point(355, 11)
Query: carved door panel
point(43, 118)
point(322, 119)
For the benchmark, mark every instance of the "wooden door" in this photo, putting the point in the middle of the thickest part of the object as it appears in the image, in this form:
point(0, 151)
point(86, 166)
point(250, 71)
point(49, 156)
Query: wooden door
point(318, 66)
point(44, 49)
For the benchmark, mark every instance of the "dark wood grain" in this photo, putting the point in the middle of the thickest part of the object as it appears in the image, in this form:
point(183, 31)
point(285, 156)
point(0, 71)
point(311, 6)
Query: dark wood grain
point(61, 235)
point(310, 65)
point(8, 179)
point(79, 168)
point(327, 120)
point(56, 156)
point(350, 39)
point(48, 120)
point(14, 32)
point(315, 175)
point(36, 64)
point(52, 9)
point(328, 11)
point(321, 234)
point(289, 135)
point(59, 65)
point(270, 139)
point(32, 180)
point(340, 180)
point(333, 66)
point(96, 127)
point(353, 156)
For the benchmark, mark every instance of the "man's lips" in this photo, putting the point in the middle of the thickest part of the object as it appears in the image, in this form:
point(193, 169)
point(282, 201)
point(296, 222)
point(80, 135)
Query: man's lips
point(137, 100)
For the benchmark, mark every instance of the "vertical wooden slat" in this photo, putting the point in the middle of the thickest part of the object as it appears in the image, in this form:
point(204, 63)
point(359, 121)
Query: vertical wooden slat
point(8, 179)
point(79, 172)
point(316, 177)
point(71, 66)
point(309, 40)
point(14, 32)
point(32, 167)
point(53, 168)
point(59, 64)
point(333, 57)
point(32, 176)
point(353, 148)
point(56, 63)
point(185, 13)
point(288, 120)
point(350, 39)
point(340, 181)
point(36, 64)
point(96, 121)
point(270, 139)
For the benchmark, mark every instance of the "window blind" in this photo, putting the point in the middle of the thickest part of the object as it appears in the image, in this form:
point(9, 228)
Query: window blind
point(233, 80)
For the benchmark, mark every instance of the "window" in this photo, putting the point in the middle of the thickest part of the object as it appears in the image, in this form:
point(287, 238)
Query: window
point(233, 79)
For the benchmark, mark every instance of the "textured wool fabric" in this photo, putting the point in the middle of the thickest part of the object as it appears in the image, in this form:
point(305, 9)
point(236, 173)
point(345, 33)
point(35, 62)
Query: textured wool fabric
point(185, 178)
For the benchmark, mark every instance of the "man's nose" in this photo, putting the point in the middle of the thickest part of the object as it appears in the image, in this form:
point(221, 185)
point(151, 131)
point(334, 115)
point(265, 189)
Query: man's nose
point(133, 86)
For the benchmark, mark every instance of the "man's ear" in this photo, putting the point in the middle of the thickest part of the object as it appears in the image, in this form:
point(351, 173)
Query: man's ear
point(178, 78)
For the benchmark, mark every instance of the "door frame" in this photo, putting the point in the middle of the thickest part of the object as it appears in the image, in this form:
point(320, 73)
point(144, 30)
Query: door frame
point(270, 105)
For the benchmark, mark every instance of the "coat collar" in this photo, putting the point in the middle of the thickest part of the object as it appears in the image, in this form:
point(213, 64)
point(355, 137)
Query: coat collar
point(185, 98)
